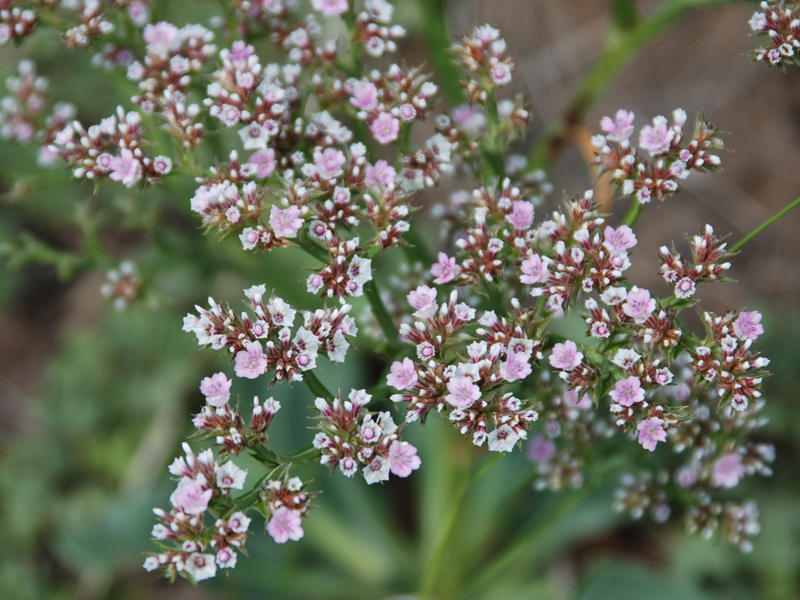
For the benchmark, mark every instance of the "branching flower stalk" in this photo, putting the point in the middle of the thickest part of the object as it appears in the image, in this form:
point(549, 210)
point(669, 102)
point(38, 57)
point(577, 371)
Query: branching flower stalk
point(322, 152)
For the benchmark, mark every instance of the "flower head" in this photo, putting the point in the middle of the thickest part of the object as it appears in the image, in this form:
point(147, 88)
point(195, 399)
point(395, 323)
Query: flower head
point(651, 432)
point(620, 127)
point(285, 222)
point(656, 138)
point(639, 305)
point(463, 392)
point(190, 497)
point(566, 356)
point(403, 375)
point(627, 392)
point(285, 525)
point(216, 389)
point(250, 362)
point(403, 458)
point(445, 270)
point(385, 128)
point(748, 325)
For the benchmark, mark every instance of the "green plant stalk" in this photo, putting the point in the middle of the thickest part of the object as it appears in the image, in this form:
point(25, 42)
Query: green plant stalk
point(633, 213)
point(384, 318)
point(437, 39)
point(738, 245)
point(315, 386)
point(445, 532)
point(620, 50)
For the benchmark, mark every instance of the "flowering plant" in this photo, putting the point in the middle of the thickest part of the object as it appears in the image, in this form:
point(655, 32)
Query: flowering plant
point(326, 146)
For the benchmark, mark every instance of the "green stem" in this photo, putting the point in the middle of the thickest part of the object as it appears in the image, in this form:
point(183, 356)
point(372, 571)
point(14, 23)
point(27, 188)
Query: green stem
point(384, 318)
point(633, 213)
point(316, 387)
point(738, 245)
point(437, 38)
point(621, 48)
point(445, 532)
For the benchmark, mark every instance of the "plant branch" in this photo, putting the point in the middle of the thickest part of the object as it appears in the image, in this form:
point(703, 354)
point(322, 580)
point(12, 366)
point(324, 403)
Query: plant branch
point(738, 245)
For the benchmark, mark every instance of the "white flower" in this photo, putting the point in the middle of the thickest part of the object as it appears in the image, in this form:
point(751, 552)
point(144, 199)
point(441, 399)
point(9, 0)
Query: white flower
point(377, 470)
point(626, 357)
point(231, 476)
point(201, 566)
point(502, 439)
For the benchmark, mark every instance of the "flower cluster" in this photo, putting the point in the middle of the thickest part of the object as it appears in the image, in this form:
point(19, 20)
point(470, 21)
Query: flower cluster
point(780, 22)
point(266, 342)
point(350, 436)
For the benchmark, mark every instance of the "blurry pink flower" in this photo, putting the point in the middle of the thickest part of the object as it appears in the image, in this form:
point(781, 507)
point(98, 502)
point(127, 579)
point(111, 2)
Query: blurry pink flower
point(728, 470)
point(380, 174)
point(329, 162)
point(566, 356)
point(385, 128)
point(541, 450)
point(515, 367)
point(365, 95)
point(160, 38)
point(627, 392)
point(250, 362)
point(534, 270)
point(620, 239)
point(330, 8)
point(651, 432)
point(285, 525)
point(521, 215)
point(403, 458)
point(403, 375)
point(656, 139)
point(216, 389)
point(748, 325)
point(639, 305)
point(285, 223)
point(125, 168)
point(445, 270)
point(264, 160)
point(190, 497)
point(620, 127)
point(463, 392)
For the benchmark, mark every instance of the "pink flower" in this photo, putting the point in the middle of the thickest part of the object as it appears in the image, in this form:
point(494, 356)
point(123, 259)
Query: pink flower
point(264, 160)
point(423, 300)
point(250, 362)
point(571, 400)
point(285, 525)
point(651, 432)
point(728, 470)
point(656, 139)
point(620, 239)
point(620, 127)
point(216, 389)
point(330, 8)
point(403, 375)
point(541, 450)
point(463, 392)
point(285, 223)
point(365, 95)
point(160, 38)
point(125, 168)
point(748, 325)
point(380, 174)
point(190, 497)
point(685, 288)
point(403, 458)
point(627, 392)
point(445, 270)
point(639, 305)
point(501, 74)
point(329, 162)
point(521, 215)
point(385, 128)
point(515, 367)
point(566, 356)
point(407, 112)
point(470, 118)
point(534, 270)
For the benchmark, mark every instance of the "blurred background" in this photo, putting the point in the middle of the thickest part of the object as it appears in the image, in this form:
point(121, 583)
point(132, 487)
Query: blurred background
point(94, 401)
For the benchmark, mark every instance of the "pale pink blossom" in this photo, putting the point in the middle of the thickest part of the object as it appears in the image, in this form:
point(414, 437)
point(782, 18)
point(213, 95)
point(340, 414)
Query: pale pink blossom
point(380, 174)
point(627, 392)
point(651, 432)
point(407, 112)
point(463, 392)
point(403, 375)
point(534, 270)
point(264, 161)
point(728, 470)
point(639, 305)
point(125, 168)
point(685, 288)
point(445, 270)
point(423, 300)
point(385, 128)
point(250, 362)
point(657, 138)
point(403, 458)
point(329, 162)
point(521, 215)
point(216, 389)
point(330, 8)
point(365, 95)
point(285, 223)
point(515, 367)
point(160, 38)
point(470, 118)
point(620, 239)
point(620, 127)
point(566, 356)
point(226, 558)
point(541, 450)
point(285, 525)
point(190, 497)
point(748, 325)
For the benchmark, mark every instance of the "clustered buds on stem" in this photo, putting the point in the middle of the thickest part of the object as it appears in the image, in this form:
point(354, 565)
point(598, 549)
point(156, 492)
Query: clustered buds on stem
point(780, 21)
